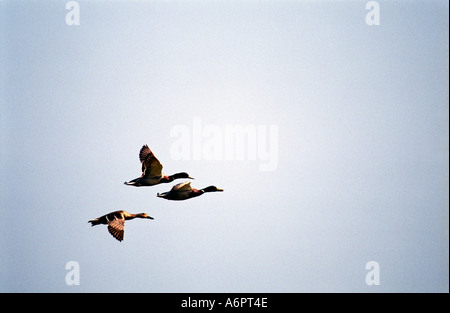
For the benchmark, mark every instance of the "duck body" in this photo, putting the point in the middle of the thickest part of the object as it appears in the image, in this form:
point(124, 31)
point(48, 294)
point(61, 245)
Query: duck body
point(184, 191)
point(152, 171)
point(116, 222)
point(155, 180)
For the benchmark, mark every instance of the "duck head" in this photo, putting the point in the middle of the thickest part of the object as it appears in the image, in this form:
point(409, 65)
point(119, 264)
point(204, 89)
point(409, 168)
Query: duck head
point(181, 175)
point(211, 189)
point(145, 215)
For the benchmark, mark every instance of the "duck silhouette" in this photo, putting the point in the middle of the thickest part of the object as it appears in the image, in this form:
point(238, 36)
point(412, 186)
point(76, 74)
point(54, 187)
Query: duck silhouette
point(116, 222)
point(183, 191)
point(152, 171)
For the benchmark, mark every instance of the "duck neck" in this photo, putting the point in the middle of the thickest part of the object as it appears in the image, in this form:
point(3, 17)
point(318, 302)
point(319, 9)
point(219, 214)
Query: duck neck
point(140, 215)
point(129, 216)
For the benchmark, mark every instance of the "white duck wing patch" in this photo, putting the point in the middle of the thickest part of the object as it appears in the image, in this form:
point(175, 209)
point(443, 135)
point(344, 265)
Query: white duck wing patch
point(184, 186)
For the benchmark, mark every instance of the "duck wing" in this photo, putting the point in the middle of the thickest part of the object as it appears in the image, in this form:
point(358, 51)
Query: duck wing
point(150, 164)
point(184, 186)
point(116, 228)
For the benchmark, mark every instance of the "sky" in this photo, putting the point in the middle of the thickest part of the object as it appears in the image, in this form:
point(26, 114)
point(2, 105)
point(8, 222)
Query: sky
point(350, 119)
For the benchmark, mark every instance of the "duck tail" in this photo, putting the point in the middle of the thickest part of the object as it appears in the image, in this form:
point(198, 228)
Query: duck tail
point(94, 222)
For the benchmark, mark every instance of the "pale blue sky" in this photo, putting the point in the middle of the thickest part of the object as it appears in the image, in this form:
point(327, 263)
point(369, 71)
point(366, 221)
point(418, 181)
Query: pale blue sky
point(362, 116)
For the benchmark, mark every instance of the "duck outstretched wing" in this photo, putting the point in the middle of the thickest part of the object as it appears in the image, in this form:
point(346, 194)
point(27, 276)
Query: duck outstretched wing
point(116, 228)
point(150, 164)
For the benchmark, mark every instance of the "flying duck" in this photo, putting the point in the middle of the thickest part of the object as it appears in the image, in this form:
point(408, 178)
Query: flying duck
point(116, 222)
point(151, 171)
point(183, 191)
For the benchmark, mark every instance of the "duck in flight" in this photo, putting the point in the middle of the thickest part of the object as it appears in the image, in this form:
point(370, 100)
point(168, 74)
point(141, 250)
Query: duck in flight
point(183, 191)
point(152, 171)
point(116, 222)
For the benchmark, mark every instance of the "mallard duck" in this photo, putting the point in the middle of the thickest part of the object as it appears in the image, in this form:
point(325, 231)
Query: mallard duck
point(183, 191)
point(151, 171)
point(116, 222)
